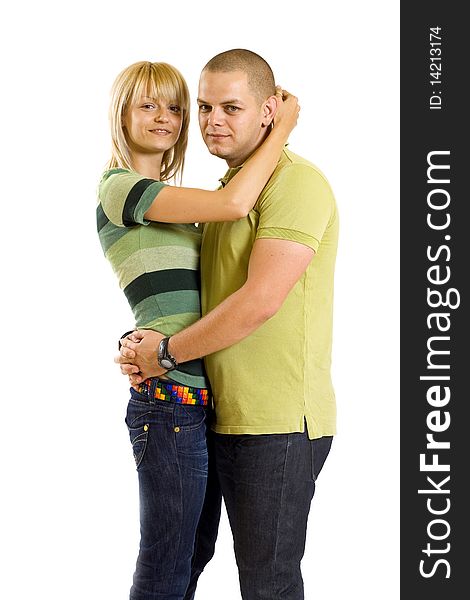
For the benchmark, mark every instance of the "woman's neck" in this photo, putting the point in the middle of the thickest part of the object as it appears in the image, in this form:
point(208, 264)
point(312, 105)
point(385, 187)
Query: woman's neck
point(148, 165)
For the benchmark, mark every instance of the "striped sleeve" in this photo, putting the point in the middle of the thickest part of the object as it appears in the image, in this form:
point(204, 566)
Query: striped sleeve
point(125, 196)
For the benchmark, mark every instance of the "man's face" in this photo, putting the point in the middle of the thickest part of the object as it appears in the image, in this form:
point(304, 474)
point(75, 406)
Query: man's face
point(233, 122)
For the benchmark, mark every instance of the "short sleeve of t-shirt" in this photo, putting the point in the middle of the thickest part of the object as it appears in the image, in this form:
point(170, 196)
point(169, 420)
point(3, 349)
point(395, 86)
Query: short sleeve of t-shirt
point(296, 205)
point(125, 196)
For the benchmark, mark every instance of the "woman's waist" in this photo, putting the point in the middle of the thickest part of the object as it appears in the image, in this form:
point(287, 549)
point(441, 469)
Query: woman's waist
point(167, 389)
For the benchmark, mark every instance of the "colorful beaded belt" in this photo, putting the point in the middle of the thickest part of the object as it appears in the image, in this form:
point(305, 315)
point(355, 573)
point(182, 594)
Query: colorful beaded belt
point(158, 389)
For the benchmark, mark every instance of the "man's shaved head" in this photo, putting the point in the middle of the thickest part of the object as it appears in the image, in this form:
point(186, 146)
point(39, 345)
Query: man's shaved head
point(259, 73)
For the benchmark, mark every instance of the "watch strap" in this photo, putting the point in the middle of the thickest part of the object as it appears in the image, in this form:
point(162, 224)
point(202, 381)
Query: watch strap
point(165, 359)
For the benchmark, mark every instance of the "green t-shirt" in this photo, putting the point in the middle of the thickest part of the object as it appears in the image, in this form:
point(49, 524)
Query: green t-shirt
point(279, 376)
point(157, 264)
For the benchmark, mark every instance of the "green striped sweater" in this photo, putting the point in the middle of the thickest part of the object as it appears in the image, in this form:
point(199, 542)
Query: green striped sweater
point(157, 264)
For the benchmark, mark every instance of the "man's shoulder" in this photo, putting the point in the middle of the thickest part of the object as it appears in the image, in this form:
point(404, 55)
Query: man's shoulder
point(292, 167)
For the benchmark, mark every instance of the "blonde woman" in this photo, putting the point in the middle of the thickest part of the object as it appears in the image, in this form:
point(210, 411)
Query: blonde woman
point(148, 233)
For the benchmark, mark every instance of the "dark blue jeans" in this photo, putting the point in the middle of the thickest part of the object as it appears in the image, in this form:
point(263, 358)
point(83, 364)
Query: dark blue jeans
point(267, 482)
point(170, 451)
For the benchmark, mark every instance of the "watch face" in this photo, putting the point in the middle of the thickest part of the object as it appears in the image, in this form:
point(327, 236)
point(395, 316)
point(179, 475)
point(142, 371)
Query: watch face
point(166, 364)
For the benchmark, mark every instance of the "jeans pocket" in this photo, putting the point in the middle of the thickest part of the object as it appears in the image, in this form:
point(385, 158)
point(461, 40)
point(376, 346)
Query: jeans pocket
point(190, 429)
point(189, 416)
point(320, 450)
point(138, 425)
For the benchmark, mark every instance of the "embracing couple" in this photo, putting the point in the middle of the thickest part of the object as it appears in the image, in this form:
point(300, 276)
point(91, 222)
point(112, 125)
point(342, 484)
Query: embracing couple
point(232, 294)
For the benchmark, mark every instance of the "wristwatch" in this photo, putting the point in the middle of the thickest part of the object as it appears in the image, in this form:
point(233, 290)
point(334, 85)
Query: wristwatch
point(165, 359)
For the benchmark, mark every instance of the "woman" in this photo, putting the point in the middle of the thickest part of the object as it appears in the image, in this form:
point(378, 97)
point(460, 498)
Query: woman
point(147, 232)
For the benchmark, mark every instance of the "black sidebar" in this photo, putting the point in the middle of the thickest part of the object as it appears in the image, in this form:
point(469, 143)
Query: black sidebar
point(435, 331)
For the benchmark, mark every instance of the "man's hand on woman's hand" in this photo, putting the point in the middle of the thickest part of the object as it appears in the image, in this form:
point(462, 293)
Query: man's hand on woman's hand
point(138, 355)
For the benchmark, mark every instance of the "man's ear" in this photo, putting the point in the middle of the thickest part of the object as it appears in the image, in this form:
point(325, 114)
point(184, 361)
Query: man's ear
point(269, 110)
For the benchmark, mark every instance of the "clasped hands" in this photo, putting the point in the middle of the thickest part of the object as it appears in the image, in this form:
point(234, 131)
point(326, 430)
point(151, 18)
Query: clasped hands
point(138, 356)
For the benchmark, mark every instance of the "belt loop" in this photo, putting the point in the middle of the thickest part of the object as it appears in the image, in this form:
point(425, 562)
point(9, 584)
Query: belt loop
point(151, 390)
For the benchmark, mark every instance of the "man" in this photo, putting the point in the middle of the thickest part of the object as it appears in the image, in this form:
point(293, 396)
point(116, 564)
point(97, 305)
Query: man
point(267, 299)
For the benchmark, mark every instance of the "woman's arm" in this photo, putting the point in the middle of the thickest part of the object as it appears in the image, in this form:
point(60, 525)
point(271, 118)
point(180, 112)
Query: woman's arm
point(237, 198)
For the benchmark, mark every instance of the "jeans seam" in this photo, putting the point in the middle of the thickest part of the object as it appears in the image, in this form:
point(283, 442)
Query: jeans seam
point(181, 507)
point(131, 424)
point(281, 501)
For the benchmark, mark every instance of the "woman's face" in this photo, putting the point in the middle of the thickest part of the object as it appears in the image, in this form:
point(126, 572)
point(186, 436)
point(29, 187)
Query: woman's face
point(152, 125)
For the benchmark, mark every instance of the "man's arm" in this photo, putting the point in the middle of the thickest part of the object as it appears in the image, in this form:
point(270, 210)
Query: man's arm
point(274, 268)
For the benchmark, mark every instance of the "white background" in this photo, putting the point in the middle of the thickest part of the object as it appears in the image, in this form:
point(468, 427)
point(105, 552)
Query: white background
point(69, 517)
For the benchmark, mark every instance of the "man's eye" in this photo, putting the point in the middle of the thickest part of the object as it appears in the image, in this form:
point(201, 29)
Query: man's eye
point(231, 108)
point(204, 107)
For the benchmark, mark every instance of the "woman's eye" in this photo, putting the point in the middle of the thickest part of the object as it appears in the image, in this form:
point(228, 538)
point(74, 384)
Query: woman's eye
point(176, 109)
point(148, 106)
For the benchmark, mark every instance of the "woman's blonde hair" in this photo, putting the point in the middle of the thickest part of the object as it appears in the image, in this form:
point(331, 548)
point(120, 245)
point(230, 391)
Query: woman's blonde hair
point(157, 80)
